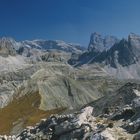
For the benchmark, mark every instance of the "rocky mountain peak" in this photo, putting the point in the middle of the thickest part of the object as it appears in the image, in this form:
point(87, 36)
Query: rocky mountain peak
point(99, 43)
point(134, 40)
point(8, 46)
point(133, 36)
point(134, 43)
point(6, 41)
point(96, 37)
point(96, 42)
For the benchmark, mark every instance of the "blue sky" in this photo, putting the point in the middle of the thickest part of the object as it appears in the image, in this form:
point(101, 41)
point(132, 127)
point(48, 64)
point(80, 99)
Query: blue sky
point(68, 20)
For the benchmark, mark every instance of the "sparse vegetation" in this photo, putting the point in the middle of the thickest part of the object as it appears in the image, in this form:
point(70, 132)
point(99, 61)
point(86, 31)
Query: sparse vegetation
point(24, 109)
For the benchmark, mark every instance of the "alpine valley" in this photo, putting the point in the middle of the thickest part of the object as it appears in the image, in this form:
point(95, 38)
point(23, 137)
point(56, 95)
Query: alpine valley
point(53, 90)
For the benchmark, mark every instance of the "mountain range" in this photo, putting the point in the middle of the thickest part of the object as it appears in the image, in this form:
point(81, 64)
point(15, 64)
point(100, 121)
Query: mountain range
point(120, 58)
point(42, 77)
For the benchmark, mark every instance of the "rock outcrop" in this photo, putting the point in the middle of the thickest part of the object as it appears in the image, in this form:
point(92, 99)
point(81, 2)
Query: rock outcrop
point(81, 125)
point(122, 106)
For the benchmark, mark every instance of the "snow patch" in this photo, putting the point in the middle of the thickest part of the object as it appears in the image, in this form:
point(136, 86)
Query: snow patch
point(86, 113)
point(136, 92)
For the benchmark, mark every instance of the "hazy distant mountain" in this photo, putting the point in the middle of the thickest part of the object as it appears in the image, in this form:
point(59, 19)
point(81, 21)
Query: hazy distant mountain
point(53, 45)
point(9, 46)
